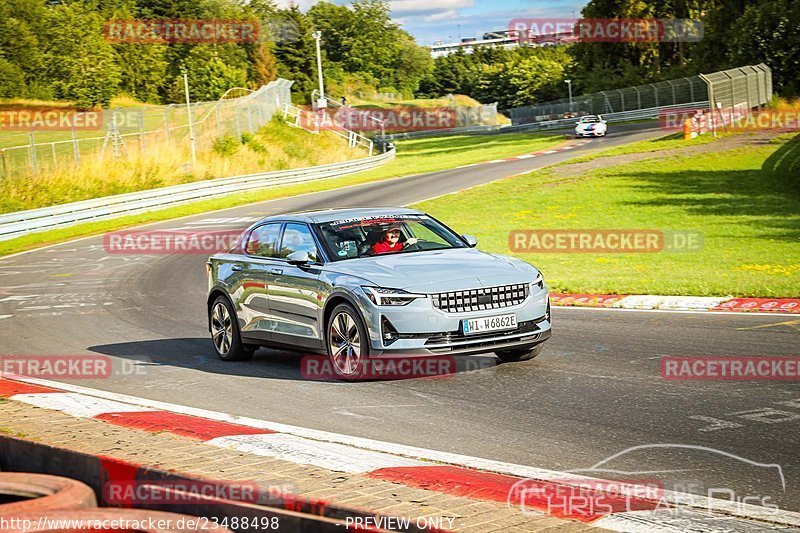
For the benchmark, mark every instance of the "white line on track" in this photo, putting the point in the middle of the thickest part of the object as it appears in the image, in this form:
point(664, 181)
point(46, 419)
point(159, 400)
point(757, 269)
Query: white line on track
point(726, 313)
point(723, 507)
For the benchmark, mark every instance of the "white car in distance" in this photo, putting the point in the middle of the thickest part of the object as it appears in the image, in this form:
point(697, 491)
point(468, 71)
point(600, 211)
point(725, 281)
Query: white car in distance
point(590, 126)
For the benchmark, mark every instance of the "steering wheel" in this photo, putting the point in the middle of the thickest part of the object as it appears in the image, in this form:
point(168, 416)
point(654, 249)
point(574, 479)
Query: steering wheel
point(414, 246)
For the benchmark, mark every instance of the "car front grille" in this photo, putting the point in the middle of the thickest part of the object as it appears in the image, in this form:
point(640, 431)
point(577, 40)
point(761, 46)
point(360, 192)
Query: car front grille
point(481, 299)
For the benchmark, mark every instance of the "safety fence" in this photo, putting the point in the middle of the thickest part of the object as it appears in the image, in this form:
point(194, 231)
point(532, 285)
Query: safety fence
point(745, 87)
point(137, 131)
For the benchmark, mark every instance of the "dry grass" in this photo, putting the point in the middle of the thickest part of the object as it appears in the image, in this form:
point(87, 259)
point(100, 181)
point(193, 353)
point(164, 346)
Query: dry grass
point(125, 100)
point(276, 146)
point(28, 102)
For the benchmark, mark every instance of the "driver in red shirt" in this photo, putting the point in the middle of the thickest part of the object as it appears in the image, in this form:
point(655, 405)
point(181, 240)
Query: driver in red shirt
point(391, 241)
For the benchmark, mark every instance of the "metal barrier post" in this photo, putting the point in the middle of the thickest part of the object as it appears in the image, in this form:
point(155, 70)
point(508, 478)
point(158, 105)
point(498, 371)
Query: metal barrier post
point(141, 130)
point(76, 154)
point(166, 122)
point(32, 151)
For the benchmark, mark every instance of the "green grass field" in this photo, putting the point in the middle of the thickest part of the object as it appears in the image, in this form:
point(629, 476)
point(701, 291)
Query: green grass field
point(743, 201)
point(413, 156)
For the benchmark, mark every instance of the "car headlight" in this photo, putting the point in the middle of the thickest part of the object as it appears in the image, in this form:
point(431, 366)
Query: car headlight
point(382, 296)
point(538, 282)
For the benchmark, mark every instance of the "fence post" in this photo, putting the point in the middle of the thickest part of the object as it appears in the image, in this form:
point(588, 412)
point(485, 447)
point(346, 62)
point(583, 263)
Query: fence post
point(166, 122)
point(141, 131)
point(671, 86)
point(238, 125)
point(219, 123)
point(76, 154)
point(711, 104)
point(733, 94)
point(53, 148)
point(3, 157)
point(32, 151)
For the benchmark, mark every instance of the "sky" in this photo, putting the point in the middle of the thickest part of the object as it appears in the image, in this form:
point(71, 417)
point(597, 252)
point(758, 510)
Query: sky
point(445, 20)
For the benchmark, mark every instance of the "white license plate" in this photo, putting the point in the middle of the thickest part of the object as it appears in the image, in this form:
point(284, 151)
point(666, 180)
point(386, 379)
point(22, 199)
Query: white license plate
point(489, 323)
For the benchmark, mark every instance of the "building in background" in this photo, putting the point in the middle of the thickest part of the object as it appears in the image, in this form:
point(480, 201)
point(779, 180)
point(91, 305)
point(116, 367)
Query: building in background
point(507, 39)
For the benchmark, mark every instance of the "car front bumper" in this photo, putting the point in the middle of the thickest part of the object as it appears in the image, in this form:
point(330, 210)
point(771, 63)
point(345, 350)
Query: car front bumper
point(422, 329)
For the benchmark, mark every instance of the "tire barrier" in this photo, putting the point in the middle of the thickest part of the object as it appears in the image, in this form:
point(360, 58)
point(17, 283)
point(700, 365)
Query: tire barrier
point(30, 493)
point(116, 520)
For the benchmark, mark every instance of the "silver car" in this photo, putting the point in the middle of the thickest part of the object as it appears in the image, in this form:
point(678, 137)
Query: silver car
point(373, 282)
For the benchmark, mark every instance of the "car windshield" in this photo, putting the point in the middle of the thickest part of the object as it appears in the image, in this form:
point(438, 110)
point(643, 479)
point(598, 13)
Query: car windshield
point(372, 236)
point(589, 119)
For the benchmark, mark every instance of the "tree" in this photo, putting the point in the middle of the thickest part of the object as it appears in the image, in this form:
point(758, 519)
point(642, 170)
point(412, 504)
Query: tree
point(265, 66)
point(21, 26)
point(12, 80)
point(297, 59)
point(768, 32)
point(412, 63)
point(79, 63)
point(210, 73)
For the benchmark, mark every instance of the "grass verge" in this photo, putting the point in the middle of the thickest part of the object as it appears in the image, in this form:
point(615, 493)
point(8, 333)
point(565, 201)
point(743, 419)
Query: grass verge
point(414, 156)
point(667, 142)
point(742, 201)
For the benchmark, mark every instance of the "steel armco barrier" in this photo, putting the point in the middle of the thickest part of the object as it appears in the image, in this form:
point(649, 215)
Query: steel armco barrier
point(35, 220)
point(624, 116)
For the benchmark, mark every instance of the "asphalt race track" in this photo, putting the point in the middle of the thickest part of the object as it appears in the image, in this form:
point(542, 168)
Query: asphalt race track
point(594, 392)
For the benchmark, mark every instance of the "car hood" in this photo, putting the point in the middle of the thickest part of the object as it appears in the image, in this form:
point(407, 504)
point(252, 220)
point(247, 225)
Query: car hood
point(437, 271)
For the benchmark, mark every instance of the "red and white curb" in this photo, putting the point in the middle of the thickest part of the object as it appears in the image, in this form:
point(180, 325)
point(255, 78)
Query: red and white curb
point(528, 156)
point(432, 470)
point(678, 303)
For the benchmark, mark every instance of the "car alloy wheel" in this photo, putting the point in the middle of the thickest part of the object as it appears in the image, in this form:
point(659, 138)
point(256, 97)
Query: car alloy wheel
point(345, 343)
point(221, 328)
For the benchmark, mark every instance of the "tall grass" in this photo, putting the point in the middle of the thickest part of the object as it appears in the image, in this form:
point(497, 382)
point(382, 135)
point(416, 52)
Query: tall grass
point(276, 146)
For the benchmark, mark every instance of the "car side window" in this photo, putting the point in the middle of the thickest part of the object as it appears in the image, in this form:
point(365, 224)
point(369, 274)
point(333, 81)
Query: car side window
point(298, 238)
point(263, 241)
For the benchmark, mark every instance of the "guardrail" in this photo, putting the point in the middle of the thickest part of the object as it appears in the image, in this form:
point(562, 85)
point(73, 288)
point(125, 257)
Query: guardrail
point(622, 116)
point(24, 222)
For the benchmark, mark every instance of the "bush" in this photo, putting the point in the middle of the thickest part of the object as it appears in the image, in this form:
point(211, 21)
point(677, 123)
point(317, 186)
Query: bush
point(226, 146)
point(12, 80)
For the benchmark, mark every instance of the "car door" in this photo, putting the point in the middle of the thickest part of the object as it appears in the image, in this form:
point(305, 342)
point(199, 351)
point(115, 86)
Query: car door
point(251, 296)
point(294, 291)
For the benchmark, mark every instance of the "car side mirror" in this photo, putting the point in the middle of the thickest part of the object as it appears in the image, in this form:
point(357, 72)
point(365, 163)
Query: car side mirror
point(298, 258)
point(471, 241)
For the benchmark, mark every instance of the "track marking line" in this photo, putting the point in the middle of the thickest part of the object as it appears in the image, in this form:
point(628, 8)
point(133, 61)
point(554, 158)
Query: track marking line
point(690, 312)
point(328, 455)
point(790, 323)
point(76, 404)
point(336, 451)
